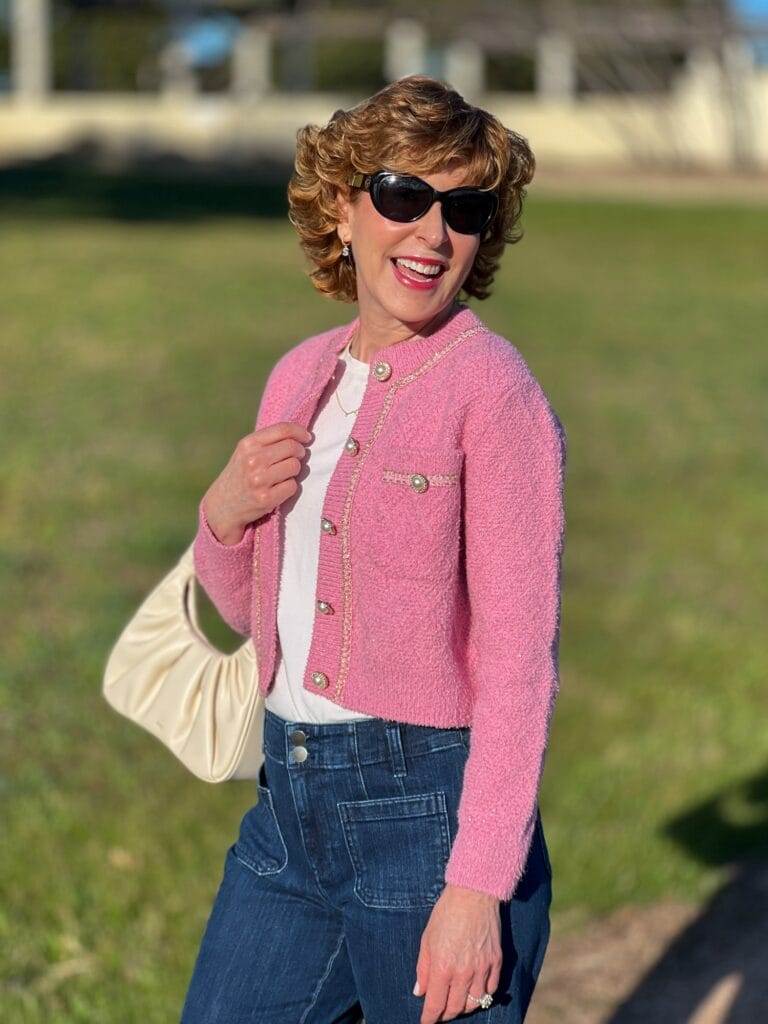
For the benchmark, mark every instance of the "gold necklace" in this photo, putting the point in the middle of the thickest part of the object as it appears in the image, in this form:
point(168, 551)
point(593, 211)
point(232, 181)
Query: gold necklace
point(347, 412)
point(348, 348)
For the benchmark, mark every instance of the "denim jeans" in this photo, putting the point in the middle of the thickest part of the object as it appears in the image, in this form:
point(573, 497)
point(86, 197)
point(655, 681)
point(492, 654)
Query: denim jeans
point(329, 886)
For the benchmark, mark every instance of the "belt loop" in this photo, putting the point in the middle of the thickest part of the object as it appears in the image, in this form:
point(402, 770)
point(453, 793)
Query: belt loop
point(396, 756)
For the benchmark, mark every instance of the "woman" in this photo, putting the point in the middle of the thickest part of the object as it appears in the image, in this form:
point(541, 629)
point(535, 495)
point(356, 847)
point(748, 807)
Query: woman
point(398, 567)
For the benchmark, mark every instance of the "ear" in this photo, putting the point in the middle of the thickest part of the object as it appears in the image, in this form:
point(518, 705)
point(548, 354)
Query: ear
point(343, 207)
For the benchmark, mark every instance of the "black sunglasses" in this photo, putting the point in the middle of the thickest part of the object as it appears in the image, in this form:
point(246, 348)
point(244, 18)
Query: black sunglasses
point(404, 198)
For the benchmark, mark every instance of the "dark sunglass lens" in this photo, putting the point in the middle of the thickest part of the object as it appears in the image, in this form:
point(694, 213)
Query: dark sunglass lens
point(402, 198)
point(469, 212)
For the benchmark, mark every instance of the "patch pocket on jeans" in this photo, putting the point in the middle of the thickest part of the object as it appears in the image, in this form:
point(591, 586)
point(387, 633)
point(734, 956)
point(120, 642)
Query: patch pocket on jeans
point(399, 847)
point(260, 845)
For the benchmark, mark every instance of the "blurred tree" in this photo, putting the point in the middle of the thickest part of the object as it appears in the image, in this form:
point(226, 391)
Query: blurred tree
point(341, 67)
point(102, 46)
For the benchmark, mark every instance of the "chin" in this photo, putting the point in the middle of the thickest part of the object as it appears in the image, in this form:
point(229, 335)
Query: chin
point(417, 306)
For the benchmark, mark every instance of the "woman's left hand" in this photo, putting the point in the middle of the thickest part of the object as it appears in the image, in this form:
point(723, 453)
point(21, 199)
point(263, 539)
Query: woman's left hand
point(460, 952)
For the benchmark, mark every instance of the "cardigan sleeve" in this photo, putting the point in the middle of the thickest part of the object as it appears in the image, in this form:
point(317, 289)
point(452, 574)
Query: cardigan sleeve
point(225, 571)
point(514, 523)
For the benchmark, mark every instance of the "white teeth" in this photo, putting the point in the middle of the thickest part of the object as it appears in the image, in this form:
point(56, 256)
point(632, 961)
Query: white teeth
point(423, 268)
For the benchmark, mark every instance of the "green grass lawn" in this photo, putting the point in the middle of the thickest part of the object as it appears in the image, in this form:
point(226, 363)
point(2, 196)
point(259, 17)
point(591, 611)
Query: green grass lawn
point(132, 356)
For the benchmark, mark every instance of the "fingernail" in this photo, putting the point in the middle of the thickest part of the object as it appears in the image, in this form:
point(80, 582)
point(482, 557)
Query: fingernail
point(416, 989)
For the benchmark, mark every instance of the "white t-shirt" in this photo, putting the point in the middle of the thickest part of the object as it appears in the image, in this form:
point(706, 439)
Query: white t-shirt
point(301, 517)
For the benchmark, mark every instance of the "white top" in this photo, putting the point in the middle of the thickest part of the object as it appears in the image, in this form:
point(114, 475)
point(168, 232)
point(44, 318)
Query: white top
point(301, 517)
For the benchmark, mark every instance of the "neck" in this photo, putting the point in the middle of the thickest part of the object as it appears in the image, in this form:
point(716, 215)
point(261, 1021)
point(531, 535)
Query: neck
point(371, 337)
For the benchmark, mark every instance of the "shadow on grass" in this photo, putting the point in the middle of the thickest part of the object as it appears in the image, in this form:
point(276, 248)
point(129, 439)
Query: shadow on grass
point(716, 970)
point(156, 187)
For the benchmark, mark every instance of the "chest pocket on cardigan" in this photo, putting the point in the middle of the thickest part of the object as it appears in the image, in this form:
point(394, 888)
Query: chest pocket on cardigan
point(416, 513)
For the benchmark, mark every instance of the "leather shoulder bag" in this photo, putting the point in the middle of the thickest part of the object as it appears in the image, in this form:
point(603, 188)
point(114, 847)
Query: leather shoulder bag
point(165, 676)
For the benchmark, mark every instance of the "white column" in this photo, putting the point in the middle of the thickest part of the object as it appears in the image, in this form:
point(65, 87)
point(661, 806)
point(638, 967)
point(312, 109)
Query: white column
point(31, 49)
point(178, 80)
point(739, 79)
point(405, 49)
point(252, 63)
point(555, 66)
point(698, 109)
point(465, 68)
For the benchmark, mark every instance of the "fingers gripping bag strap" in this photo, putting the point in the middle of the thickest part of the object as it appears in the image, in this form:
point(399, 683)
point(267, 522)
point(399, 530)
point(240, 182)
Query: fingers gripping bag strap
point(164, 675)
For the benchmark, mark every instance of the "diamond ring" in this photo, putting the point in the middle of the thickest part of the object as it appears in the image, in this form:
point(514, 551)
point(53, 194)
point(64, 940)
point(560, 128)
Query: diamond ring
point(485, 1001)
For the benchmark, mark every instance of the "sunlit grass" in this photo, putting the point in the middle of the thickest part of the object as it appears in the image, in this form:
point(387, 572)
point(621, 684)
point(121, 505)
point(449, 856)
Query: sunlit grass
point(131, 360)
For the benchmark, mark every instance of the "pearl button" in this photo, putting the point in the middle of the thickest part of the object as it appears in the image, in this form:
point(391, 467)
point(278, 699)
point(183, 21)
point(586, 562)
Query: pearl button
point(298, 736)
point(419, 482)
point(299, 754)
point(320, 679)
point(325, 608)
point(352, 446)
point(327, 526)
point(382, 371)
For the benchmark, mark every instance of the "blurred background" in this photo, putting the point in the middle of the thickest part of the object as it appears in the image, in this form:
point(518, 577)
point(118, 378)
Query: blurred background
point(628, 86)
point(149, 279)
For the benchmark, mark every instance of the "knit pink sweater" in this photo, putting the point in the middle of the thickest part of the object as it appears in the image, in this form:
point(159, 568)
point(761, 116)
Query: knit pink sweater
point(437, 604)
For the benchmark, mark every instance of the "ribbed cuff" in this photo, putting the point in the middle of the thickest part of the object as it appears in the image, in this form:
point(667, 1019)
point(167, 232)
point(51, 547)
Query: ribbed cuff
point(482, 875)
point(236, 550)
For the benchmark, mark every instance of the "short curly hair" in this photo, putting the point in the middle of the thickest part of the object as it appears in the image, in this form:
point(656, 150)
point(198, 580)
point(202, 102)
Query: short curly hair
point(416, 124)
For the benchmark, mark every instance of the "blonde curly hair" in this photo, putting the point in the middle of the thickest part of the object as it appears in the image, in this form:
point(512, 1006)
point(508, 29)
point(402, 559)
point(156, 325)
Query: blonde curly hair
point(416, 124)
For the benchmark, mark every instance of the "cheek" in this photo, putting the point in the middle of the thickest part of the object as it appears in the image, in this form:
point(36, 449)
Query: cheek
point(381, 239)
point(465, 249)
point(377, 236)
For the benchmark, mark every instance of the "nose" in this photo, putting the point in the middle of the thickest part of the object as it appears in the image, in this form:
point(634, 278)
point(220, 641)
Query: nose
point(432, 227)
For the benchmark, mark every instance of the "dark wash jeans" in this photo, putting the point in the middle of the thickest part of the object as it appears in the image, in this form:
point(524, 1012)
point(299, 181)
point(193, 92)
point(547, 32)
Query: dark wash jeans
point(328, 889)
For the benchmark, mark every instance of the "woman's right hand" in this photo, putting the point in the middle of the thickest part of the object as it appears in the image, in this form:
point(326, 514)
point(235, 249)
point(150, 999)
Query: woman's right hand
point(259, 476)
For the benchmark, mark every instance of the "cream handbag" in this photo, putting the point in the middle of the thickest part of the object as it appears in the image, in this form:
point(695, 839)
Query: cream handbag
point(163, 674)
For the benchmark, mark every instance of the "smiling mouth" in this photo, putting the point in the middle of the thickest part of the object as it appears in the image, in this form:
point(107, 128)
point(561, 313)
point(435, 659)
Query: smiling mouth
point(416, 275)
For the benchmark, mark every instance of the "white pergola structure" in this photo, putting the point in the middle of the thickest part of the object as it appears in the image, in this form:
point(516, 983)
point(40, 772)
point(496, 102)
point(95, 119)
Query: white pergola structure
point(405, 45)
point(712, 109)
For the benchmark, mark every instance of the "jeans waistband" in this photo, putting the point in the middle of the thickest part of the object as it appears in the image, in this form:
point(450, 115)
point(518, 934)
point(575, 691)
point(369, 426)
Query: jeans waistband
point(348, 744)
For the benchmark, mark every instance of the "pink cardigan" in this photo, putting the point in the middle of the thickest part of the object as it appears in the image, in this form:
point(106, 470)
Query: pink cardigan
point(438, 589)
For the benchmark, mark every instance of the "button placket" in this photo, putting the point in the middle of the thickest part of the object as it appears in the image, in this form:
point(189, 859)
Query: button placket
point(351, 447)
point(380, 371)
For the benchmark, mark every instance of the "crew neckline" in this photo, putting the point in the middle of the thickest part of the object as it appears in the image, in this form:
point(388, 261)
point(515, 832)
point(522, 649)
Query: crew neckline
point(405, 356)
point(358, 365)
